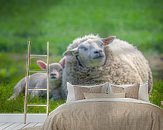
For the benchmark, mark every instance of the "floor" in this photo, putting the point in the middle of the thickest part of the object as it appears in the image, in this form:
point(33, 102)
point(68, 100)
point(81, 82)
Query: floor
point(17, 126)
point(15, 121)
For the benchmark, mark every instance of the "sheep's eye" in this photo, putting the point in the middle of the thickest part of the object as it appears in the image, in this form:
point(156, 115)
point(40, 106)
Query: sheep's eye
point(101, 44)
point(84, 48)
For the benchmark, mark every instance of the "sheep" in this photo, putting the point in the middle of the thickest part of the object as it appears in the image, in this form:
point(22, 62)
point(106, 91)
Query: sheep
point(93, 60)
point(39, 80)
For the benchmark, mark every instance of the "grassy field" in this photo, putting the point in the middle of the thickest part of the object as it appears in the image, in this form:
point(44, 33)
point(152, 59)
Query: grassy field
point(59, 22)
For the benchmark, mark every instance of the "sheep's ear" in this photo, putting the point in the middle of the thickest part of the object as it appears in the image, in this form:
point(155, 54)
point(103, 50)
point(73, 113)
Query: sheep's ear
point(41, 64)
point(62, 62)
point(71, 52)
point(108, 40)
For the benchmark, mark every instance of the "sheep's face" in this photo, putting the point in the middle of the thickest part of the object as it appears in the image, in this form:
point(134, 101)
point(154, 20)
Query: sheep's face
point(55, 70)
point(91, 53)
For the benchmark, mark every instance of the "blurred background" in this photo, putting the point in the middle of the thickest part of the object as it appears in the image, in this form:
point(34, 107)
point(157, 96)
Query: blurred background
point(61, 21)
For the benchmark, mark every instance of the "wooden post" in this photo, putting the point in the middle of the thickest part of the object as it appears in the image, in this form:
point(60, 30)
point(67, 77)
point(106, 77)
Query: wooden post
point(47, 107)
point(27, 82)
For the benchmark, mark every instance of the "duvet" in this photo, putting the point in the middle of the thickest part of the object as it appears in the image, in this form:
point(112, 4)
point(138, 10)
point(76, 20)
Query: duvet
point(105, 114)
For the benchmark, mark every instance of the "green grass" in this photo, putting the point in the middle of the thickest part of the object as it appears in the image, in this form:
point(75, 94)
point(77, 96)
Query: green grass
point(17, 106)
point(61, 21)
point(157, 93)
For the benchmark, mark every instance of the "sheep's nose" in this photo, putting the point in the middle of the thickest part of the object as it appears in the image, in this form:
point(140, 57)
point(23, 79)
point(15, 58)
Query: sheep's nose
point(53, 75)
point(97, 51)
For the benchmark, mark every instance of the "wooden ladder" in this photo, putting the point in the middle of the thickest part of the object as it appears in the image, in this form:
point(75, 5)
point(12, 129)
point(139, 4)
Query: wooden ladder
point(28, 72)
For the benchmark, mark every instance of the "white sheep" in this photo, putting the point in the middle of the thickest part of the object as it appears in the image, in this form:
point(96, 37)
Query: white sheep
point(39, 80)
point(95, 60)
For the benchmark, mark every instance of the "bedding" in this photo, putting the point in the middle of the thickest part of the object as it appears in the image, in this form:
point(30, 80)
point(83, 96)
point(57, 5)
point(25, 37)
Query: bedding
point(105, 114)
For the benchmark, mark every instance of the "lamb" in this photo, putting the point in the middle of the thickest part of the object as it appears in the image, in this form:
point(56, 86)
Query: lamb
point(39, 80)
point(93, 60)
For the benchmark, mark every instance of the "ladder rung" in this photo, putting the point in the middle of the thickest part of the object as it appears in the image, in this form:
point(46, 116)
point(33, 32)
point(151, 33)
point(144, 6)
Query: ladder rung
point(36, 105)
point(37, 89)
point(37, 71)
point(35, 56)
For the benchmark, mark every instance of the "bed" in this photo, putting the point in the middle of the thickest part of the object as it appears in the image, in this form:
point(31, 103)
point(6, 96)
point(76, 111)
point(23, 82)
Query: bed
point(106, 107)
point(93, 108)
point(105, 114)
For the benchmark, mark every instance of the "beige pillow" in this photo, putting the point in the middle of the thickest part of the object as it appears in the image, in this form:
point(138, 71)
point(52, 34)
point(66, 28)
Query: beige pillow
point(103, 95)
point(130, 90)
point(76, 92)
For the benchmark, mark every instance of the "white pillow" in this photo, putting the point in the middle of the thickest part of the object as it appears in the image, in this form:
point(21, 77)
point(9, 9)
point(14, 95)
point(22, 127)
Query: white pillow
point(70, 95)
point(143, 92)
